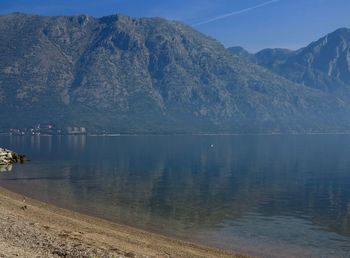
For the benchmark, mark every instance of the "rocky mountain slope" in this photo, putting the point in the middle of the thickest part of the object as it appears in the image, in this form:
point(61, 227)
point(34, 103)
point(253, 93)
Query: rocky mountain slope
point(324, 64)
point(146, 75)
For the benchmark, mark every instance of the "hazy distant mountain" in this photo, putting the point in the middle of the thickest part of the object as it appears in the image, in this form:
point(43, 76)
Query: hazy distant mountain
point(271, 57)
point(146, 75)
point(324, 64)
point(241, 52)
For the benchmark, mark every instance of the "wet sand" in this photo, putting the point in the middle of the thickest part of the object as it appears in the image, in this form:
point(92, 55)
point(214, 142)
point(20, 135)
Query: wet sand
point(30, 228)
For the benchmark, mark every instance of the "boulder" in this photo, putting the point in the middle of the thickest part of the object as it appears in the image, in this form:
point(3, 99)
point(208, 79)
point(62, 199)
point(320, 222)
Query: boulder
point(5, 168)
point(8, 157)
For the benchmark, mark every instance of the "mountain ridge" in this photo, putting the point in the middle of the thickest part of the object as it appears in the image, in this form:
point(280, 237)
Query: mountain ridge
point(323, 64)
point(146, 75)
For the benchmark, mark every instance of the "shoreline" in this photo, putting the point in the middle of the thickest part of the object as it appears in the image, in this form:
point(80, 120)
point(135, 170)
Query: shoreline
point(181, 134)
point(33, 228)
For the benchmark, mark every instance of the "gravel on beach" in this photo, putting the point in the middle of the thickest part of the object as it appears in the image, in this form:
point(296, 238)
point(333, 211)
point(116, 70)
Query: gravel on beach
point(31, 228)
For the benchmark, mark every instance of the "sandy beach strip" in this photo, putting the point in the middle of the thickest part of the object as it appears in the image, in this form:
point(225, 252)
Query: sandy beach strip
point(43, 230)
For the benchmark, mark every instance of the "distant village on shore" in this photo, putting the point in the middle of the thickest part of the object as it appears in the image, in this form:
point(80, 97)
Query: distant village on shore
point(47, 129)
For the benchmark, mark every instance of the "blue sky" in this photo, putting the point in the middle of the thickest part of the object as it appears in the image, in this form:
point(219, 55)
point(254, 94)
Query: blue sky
point(253, 24)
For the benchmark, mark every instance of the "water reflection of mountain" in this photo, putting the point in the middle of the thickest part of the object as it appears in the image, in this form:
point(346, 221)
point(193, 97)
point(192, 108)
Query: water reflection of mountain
point(182, 182)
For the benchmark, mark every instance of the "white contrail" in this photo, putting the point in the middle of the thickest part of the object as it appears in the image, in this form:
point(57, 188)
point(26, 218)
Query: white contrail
point(235, 13)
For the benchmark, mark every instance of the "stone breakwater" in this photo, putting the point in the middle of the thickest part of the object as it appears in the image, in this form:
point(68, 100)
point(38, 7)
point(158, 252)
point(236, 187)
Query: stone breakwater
point(8, 157)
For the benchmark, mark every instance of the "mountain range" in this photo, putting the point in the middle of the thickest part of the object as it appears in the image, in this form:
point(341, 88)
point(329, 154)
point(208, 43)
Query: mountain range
point(323, 65)
point(152, 75)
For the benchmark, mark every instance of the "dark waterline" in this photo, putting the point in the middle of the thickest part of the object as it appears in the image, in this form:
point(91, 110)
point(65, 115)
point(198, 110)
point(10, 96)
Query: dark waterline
point(270, 196)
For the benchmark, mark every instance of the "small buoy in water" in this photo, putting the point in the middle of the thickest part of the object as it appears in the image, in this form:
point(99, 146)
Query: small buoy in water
point(211, 145)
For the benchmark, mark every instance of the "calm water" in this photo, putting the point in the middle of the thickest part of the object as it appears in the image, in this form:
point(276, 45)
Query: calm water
point(271, 196)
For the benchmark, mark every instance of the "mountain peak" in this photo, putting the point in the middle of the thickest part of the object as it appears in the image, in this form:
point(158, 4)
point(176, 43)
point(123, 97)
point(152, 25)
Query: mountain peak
point(343, 30)
point(342, 34)
point(324, 64)
point(241, 52)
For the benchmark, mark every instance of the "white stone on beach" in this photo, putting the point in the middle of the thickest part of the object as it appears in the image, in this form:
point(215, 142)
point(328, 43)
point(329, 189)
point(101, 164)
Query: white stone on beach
point(8, 157)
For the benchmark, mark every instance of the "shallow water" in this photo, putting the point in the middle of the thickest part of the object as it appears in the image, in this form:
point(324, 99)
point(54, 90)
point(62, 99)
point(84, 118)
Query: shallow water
point(272, 196)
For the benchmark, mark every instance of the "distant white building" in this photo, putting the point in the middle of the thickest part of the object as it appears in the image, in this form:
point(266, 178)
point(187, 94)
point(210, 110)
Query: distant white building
point(75, 130)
